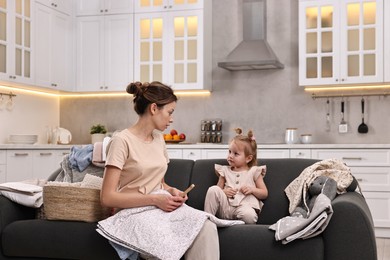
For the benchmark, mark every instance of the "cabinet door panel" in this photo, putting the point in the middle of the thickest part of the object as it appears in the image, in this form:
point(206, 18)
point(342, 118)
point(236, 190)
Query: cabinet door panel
point(379, 204)
point(273, 153)
point(90, 53)
point(372, 178)
point(19, 165)
point(175, 153)
point(118, 51)
point(355, 157)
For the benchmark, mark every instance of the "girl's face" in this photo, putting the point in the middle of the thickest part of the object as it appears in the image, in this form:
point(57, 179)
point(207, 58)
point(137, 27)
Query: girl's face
point(163, 116)
point(237, 158)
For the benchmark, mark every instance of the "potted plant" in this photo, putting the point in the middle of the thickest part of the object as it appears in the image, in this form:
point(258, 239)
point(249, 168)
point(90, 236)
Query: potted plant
point(98, 132)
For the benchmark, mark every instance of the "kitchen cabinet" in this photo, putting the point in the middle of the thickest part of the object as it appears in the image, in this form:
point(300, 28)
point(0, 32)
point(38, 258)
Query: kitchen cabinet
point(19, 165)
point(63, 6)
point(340, 42)
point(53, 48)
point(142, 6)
point(3, 165)
point(104, 52)
point(387, 40)
point(96, 7)
point(300, 153)
point(16, 41)
point(174, 47)
point(371, 167)
point(25, 164)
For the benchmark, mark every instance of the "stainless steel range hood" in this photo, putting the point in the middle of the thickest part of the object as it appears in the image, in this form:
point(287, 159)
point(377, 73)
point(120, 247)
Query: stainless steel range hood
point(254, 52)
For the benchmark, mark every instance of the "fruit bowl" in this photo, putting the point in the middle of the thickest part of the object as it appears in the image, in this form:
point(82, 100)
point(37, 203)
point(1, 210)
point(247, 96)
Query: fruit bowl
point(174, 141)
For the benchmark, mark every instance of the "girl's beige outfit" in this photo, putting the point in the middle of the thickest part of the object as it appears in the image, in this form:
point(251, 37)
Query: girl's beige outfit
point(143, 166)
point(242, 207)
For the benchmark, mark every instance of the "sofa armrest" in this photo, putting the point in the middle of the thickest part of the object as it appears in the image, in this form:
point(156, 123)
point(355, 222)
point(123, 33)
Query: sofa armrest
point(11, 211)
point(350, 233)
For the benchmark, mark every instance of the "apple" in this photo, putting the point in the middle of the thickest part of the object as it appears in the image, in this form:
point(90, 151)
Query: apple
point(182, 136)
point(173, 132)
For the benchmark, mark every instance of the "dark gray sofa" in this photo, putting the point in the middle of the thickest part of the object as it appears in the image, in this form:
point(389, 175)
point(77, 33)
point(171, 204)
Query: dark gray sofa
point(349, 235)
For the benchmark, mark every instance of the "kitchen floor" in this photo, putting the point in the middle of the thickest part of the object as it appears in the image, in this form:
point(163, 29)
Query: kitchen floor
point(383, 248)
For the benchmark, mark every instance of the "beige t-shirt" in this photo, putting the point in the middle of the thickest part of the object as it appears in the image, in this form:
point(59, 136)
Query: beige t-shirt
point(143, 164)
point(236, 180)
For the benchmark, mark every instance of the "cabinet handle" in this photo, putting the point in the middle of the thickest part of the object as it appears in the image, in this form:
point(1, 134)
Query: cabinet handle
point(352, 158)
point(106, 10)
point(21, 154)
point(45, 154)
point(65, 153)
point(101, 11)
point(359, 180)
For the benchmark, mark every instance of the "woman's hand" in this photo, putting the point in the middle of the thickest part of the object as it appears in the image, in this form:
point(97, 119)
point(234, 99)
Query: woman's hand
point(170, 203)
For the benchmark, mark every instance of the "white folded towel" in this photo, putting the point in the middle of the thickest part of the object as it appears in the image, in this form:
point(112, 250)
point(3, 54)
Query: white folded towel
point(20, 187)
point(34, 201)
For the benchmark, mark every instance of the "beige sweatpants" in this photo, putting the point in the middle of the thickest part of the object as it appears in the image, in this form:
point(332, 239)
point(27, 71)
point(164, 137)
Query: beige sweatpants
point(217, 203)
point(205, 245)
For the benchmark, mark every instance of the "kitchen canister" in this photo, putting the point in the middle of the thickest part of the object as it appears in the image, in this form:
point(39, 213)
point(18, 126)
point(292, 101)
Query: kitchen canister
point(306, 138)
point(291, 136)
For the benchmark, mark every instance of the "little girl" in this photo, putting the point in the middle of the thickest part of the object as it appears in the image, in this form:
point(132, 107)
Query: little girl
point(240, 186)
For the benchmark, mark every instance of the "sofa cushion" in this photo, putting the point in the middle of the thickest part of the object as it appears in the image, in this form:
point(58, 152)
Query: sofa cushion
point(258, 242)
point(178, 174)
point(280, 173)
point(55, 239)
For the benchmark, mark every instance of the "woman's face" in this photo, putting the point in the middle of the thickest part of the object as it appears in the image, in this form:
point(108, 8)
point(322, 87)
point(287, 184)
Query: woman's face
point(163, 116)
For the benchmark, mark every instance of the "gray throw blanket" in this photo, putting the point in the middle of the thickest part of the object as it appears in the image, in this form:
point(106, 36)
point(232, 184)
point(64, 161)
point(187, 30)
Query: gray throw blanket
point(156, 233)
point(290, 228)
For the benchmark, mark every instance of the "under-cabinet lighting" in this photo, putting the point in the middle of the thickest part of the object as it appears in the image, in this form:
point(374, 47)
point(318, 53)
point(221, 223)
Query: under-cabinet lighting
point(331, 89)
point(103, 94)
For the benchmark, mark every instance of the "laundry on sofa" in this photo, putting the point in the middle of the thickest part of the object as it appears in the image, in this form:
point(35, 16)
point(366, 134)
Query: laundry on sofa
point(27, 193)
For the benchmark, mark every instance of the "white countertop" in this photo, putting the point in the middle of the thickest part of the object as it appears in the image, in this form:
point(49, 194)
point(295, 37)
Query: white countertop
point(208, 146)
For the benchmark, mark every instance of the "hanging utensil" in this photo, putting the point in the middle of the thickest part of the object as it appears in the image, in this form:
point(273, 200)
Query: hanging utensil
point(363, 128)
point(327, 126)
point(343, 127)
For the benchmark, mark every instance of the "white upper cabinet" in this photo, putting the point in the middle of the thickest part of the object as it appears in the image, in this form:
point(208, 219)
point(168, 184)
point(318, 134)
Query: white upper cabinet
point(53, 48)
point(387, 41)
point(15, 41)
point(64, 6)
point(96, 7)
point(340, 42)
point(142, 6)
point(173, 47)
point(104, 52)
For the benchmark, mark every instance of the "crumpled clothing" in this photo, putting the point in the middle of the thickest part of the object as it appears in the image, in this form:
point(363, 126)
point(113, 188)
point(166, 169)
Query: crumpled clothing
point(156, 233)
point(291, 228)
point(332, 168)
point(81, 157)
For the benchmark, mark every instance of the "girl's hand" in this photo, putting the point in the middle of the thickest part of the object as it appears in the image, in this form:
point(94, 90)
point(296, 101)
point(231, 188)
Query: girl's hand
point(230, 192)
point(170, 203)
point(246, 190)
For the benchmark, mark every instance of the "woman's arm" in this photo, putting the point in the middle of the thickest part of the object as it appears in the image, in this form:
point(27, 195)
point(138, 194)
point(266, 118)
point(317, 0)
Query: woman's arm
point(110, 197)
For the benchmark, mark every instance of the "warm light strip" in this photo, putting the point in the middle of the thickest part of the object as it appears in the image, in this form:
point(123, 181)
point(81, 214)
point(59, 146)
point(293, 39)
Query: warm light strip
point(29, 91)
point(121, 94)
point(348, 88)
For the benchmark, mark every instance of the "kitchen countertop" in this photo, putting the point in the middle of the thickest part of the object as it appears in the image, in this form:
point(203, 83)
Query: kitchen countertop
point(208, 146)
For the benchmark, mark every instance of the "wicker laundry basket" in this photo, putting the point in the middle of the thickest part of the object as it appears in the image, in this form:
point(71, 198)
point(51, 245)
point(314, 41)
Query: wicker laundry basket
point(73, 203)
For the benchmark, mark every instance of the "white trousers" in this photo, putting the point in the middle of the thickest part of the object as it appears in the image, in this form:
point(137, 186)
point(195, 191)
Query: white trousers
point(217, 203)
point(205, 245)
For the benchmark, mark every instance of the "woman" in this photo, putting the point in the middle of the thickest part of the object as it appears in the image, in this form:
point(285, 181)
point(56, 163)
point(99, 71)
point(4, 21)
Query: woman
point(137, 161)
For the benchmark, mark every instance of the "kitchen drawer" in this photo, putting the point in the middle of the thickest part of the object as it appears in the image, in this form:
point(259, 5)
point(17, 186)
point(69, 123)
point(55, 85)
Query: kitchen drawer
point(175, 153)
point(2, 173)
point(272, 153)
point(300, 153)
point(192, 154)
point(215, 153)
point(372, 178)
point(355, 157)
point(379, 204)
point(3, 157)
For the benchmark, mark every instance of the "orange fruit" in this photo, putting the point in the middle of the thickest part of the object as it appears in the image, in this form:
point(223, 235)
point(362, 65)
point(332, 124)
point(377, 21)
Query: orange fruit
point(168, 137)
point(176, 137)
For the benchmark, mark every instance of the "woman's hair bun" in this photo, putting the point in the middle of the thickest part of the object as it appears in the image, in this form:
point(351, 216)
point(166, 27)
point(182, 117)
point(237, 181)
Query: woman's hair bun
point(134, 88)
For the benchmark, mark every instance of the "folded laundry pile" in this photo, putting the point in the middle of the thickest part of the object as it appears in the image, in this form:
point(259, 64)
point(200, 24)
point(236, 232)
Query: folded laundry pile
point(24, 193)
